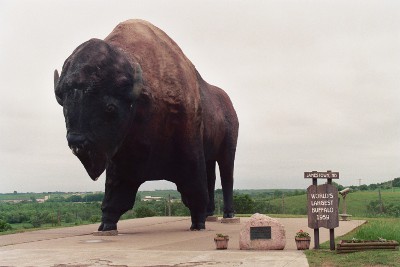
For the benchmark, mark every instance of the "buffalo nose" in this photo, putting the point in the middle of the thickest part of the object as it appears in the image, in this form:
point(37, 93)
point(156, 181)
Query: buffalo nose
point(76, 142)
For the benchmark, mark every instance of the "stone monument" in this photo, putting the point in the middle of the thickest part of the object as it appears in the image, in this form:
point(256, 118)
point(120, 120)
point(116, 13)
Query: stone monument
point(262, 232)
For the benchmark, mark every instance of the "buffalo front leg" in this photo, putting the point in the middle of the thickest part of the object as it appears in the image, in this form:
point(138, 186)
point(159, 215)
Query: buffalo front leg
point(118, 199)
point(197, 203)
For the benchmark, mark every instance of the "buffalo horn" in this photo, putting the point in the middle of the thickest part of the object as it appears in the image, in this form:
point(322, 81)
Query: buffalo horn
point(56, 77)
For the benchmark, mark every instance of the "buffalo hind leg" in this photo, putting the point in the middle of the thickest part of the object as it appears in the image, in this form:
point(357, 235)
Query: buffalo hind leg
point(211, 187)
point(226, 166)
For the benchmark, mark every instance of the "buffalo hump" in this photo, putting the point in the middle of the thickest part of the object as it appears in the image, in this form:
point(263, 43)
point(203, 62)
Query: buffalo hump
point(167, 72)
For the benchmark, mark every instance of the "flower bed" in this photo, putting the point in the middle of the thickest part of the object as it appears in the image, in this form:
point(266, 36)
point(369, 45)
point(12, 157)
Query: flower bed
point(354, 245)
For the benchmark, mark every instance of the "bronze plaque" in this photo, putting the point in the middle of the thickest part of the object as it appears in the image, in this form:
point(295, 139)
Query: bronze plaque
point(260, 232)
point(323, 206)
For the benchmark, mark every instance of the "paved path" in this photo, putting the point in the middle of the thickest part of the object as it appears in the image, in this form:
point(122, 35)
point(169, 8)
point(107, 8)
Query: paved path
point(156, 241)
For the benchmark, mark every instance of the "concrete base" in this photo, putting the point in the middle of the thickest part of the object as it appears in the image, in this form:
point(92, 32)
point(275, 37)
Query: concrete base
point(153, 241)
point(106, 233)
point(345, 217)
point(230, 220)
point(212, 219)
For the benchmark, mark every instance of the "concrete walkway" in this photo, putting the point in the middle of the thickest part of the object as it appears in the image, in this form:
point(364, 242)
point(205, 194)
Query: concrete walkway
point(156, 241)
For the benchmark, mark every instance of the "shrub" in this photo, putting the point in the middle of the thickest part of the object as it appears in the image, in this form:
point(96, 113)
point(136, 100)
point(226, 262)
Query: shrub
point(4, 226)
point(69, 217)
point(36, 221)
point(266, 207)
point(74, 198)
point(243, 204)
point(179, 209)
point(391, 209)
point(142, 212)
point(94, 218)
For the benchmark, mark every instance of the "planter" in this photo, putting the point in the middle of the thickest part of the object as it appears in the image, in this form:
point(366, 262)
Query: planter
point(346, 246)
point(221, 242)
point(303, 243)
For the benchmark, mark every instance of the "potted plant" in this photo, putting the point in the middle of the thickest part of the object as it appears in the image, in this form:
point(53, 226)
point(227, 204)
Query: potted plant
point(303, 240)
point(221, 241)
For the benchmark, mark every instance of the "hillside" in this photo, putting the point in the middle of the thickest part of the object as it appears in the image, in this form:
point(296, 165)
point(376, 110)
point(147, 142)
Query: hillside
point(359, 203)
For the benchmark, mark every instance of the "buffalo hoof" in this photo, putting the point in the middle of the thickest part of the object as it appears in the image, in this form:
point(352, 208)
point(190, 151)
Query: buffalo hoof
point(107, 227)
point(229, 214)
point(197, 226)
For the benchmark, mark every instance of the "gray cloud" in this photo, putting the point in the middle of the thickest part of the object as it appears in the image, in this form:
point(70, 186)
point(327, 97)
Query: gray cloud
point(315, 84)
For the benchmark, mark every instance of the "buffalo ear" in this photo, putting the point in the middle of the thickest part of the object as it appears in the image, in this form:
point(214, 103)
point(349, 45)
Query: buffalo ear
point(56, 78)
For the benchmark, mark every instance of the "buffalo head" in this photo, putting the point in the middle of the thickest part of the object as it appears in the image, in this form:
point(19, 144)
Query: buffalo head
point(97, 89)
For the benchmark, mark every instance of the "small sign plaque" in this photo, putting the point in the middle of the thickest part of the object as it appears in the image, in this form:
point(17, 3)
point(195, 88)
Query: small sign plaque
point(260, 232)
point(321, 175)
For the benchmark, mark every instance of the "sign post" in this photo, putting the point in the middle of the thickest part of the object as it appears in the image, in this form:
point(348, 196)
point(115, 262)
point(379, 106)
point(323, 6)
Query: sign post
point(322, 205)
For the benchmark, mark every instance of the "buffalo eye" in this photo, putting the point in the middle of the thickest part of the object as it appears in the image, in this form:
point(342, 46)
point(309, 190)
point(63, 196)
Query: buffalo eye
point(110, 108)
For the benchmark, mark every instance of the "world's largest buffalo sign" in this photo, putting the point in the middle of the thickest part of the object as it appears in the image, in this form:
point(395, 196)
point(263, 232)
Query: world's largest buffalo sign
point(323, 206)
point(135, 106)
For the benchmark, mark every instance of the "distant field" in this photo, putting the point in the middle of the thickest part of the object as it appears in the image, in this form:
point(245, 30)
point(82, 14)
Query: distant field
point(29, 196)
point(22, 196)
point(356, 202)
point(142, 194)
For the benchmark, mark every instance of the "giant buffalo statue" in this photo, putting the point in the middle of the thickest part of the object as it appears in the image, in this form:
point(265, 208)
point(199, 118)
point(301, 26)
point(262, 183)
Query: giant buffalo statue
point(135, 106)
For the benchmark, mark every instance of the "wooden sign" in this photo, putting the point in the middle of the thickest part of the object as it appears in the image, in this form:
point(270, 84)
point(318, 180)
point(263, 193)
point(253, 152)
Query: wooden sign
point(323, 206)
point(322, 175)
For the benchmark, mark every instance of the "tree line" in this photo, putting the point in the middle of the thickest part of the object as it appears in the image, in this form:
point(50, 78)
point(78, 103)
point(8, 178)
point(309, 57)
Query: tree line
point(76, 210)
point(61, 210)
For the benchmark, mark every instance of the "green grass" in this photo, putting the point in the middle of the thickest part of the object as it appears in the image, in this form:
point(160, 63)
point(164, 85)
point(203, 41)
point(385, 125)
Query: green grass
point(387, 228)
point(27, 227)
point(357, 201)
point(325, 257)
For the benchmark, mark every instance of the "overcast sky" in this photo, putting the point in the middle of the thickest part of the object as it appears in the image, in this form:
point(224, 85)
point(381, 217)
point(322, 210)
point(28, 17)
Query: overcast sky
point(316, 85)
